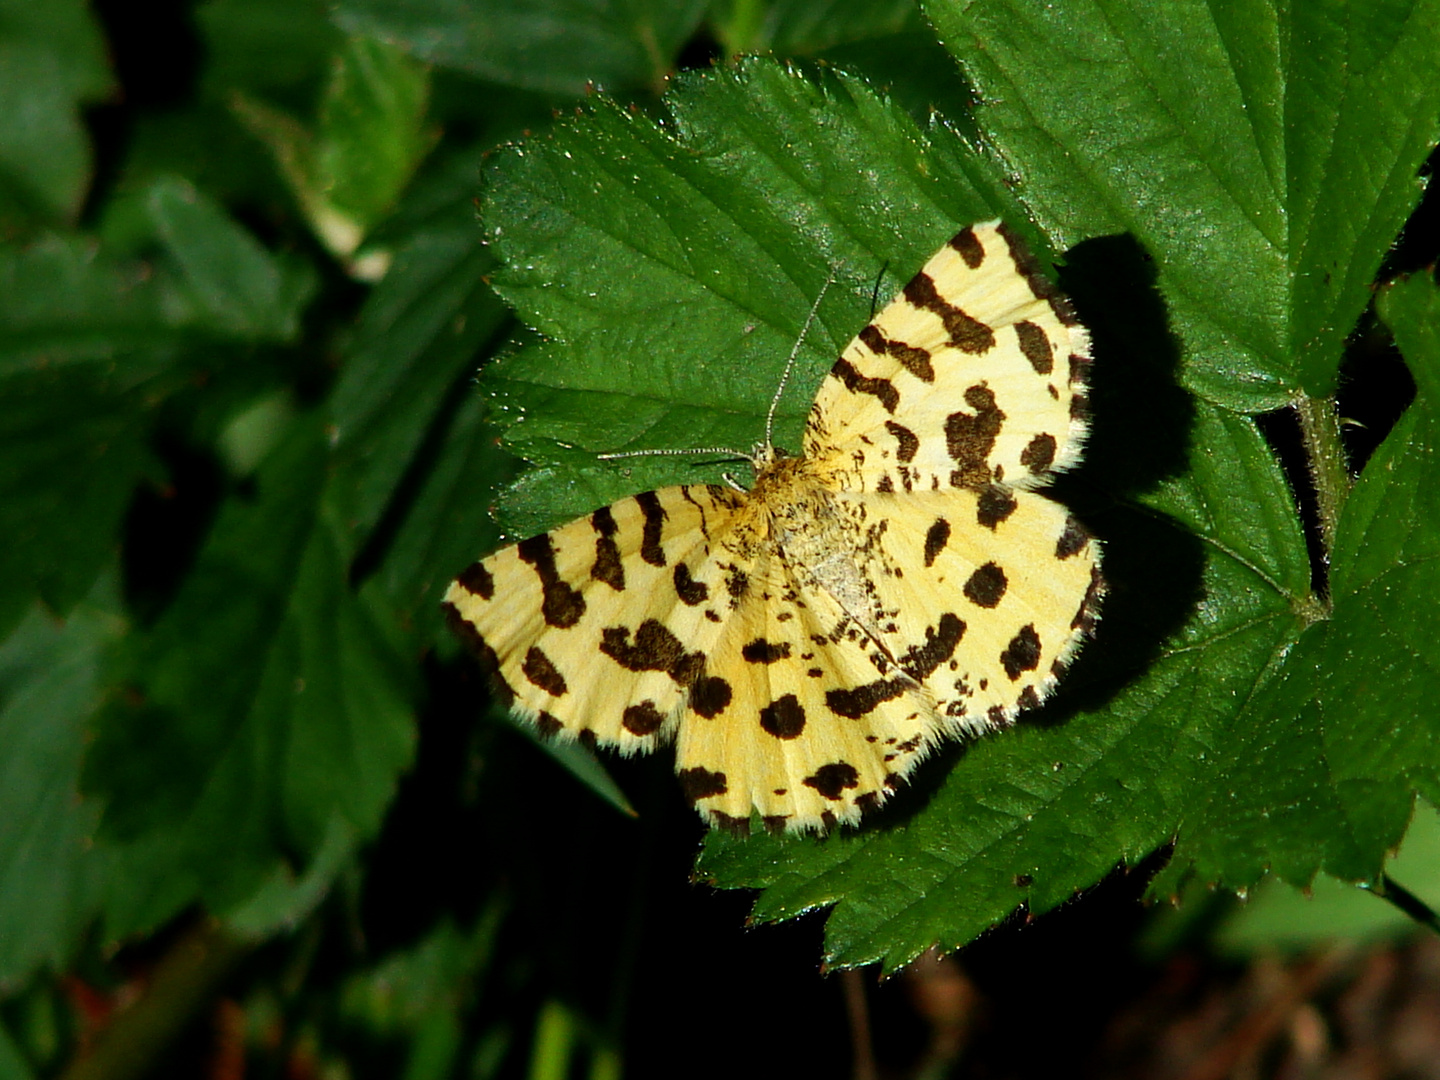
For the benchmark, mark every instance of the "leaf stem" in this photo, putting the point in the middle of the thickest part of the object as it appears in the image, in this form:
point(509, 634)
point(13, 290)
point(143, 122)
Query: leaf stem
point(1320, 430)
point(1389, 889)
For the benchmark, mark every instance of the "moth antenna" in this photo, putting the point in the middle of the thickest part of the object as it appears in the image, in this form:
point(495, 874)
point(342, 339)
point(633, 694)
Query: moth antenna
point(672, 452)
point(790, 363)
point(875, 292)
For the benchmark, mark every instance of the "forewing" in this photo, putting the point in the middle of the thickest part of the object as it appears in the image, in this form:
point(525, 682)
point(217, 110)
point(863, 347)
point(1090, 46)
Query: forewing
point(602, 628)
point(973, 375)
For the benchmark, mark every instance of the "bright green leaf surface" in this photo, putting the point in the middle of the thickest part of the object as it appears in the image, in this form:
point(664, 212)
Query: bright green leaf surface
point(265, 700)
point(669, 289)
point(701, 258)
point(558, 46)
point(1266, 155)
point(52, 62)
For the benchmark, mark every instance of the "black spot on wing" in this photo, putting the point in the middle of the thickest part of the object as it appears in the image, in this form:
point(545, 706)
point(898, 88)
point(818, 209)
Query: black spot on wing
point(970, 438)
point(710, 696)
point(1072, 539)
point(994, 506)
point(966, 333)
point(642, 719)
point(560, 605)
point(541, 671)
point(761, 651)
point(698, 783)
point(652, 550)
point(883, 390)
point(783, 718)
point(607, 566)
point(908, 442)
point(936, 537)
point(547, 725)
point(1040, 285)
point(986, 586)
point(861, 700)
point(1023, 652)
point(1035, 344)
point(969, 247)
point(476, 579)
point(832, 780)
point(690, 591)
point(654, 648)
point(1039, 453)
point(920, 662)
point(914, 360)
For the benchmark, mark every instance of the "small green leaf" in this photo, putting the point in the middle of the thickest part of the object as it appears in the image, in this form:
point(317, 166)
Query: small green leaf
point(556, 46)
point(371, 134)
point(1265, 155)
point(232, 282)
point(52, 62)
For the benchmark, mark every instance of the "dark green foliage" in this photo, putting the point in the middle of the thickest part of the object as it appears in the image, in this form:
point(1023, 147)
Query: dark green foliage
point(260, 393)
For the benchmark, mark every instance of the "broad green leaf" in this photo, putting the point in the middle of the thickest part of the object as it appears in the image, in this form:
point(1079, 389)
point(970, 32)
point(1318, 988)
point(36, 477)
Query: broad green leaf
point(556, 46)
point(51, 877)
point(52, 62)
point(673, 267)
point(667, 293)
point(263, 702)
point(1265, 154)
point(63, 300)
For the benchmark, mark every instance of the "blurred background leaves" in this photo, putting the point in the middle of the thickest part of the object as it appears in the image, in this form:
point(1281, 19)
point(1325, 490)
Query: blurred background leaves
point(256, 813)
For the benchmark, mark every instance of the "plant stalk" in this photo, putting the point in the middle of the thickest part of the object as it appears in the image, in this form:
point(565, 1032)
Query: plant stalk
point(1320, 430)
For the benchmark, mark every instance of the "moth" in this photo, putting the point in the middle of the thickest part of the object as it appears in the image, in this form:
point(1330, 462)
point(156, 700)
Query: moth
point(804, 643)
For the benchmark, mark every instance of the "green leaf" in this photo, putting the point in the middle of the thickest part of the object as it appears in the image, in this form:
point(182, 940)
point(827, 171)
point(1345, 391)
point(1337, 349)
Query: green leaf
point(51, 878)
point(1266, 155)
point(667, 267)
point(556, 46)
point(1278, 916)
point(262, 703)
point(230, 281)
point(371, 135)
point(52, 62)
point(704, 243)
